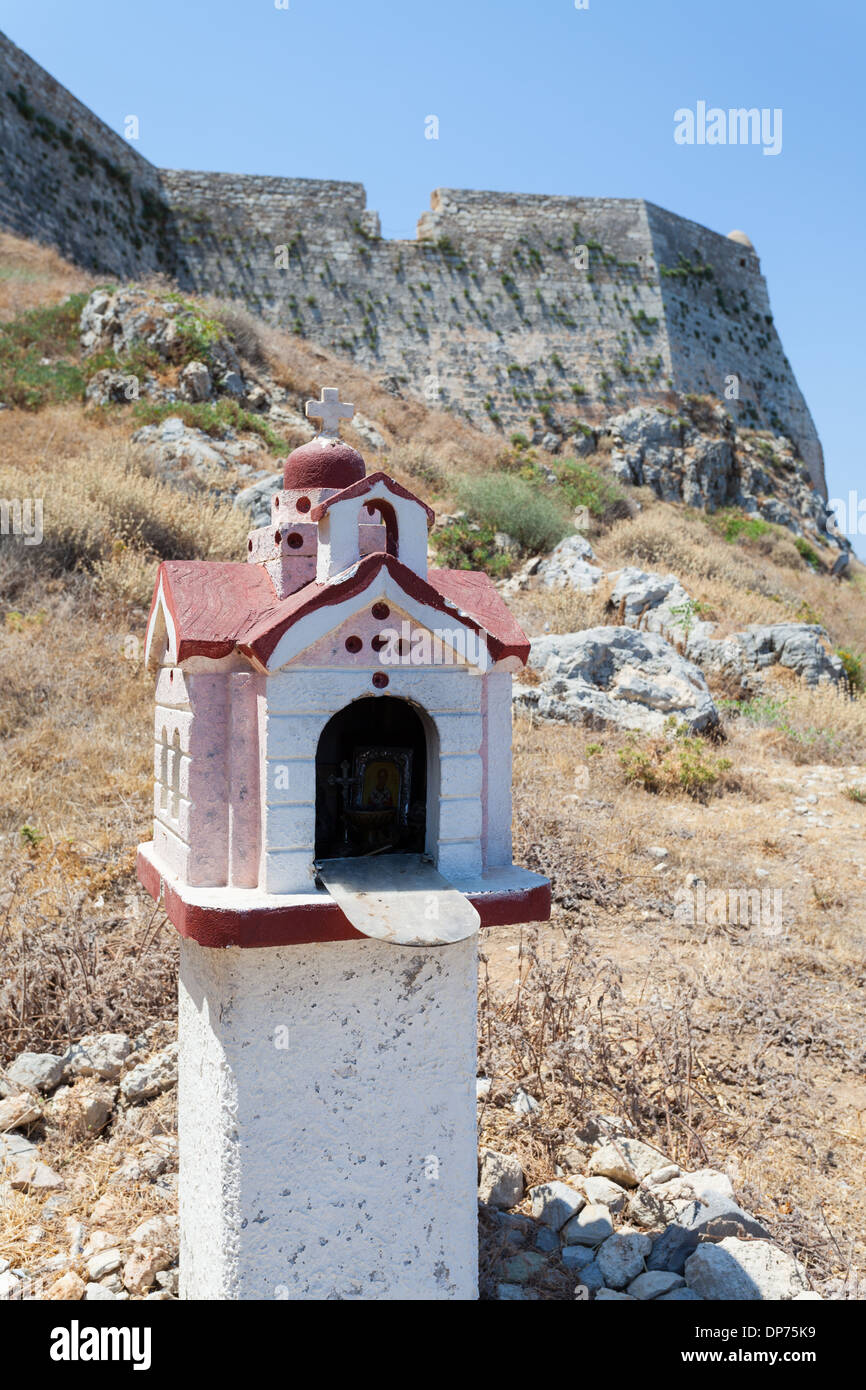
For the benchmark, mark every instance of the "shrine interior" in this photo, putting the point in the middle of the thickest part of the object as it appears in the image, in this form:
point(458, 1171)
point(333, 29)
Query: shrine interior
point(371, 780)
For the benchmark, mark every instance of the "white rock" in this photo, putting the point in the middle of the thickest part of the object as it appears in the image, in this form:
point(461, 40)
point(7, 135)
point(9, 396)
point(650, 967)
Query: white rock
point(655, 1282)
point(745, 1270)
point(614, 675)
point(625, 1161)
point(256, 499)
point(554, 1203)
point(98, 1054)
point(104, 1262)
point(21, 1166)
point(568, 567)
point(17, 1111)
point(36, 1071)
point(613, 1296)
point(150, 1078)
point(500, 1183)
point(603, 1191)
point(663, 1194)
point(621, 1257)
point(159, 1230)
point(522, 1103)
point(195, 382)
point(368, 432)
point(143, 1265)
point(591, 1226)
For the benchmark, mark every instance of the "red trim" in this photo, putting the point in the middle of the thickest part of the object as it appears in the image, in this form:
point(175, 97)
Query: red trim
point(262, 640)
point(313, 922)
point(362, 487)
point(219, 607)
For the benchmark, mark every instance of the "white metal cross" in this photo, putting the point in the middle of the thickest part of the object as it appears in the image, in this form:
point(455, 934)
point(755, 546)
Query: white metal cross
point(330, 410)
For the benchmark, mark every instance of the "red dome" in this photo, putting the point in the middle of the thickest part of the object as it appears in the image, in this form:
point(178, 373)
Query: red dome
point(323, 462)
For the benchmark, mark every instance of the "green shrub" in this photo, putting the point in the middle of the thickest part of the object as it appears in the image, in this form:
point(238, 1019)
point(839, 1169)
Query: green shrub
point(733, 525)
point(853, 663)
point(809, 555)
point(212, 417)
point(585, 486)
point(35, 353)
point(464, 546)
point(684, 764)
point(503, 502)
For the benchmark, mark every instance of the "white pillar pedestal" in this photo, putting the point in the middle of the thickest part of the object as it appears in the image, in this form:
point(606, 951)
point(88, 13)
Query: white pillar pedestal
point(328, 1122)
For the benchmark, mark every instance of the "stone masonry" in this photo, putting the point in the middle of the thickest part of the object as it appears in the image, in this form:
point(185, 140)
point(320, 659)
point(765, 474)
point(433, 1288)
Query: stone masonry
point(507, 308)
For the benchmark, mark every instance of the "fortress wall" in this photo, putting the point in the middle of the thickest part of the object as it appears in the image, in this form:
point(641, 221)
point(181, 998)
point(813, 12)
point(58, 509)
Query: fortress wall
point(66, 179)
point(508, 308)
point(486, 312)
point(719, 324)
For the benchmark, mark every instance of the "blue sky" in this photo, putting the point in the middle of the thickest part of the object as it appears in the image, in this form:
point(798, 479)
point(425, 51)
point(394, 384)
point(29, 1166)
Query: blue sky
point(534, 97)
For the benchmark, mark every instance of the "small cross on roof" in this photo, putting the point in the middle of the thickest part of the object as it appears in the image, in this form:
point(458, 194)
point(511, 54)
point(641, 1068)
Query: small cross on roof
point(330, 410)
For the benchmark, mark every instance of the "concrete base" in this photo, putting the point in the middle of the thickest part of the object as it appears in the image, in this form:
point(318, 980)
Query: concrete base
point(328, 1122)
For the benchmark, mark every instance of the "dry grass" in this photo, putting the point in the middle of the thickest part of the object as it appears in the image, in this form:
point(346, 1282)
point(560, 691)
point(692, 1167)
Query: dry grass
point(103, 512)
point(820, 725)
point(717, 1043)
point(723, 1044)
point(32, 276)
point(736, 584)
point(764, 580)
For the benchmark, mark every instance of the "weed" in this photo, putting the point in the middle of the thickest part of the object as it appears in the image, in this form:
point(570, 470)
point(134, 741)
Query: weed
point(467, 546)
point(585, 486)
point(684, 764)
point(212, 417)
point(35, 352)
point(502, 502)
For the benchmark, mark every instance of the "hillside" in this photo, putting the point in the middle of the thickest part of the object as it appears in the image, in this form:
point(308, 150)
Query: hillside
point(726, 1044)
point(505, 307)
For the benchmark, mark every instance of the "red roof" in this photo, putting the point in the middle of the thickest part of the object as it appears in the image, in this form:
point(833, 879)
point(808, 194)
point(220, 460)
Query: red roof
point(363, 486)
point(218, 607)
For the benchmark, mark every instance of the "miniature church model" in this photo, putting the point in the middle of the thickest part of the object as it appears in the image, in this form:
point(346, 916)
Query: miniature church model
point(332, 781)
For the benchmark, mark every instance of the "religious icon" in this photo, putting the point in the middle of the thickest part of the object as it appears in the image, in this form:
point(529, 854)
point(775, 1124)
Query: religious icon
point(382, 780)
point(381, 787)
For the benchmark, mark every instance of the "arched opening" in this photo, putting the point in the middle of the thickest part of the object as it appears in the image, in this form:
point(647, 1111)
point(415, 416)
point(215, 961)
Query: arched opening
point(376, 766)
point(388, 517)
point(174, 779)
point(163, 771)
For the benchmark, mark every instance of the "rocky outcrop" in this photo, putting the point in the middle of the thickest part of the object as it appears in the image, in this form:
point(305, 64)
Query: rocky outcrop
point(659, 603)
point(568, 566)
point(759, 474)
point(191, 460)
point(616, 676)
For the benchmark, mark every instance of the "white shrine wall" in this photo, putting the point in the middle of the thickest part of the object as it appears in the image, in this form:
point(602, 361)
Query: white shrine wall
point(301, 701)
point(328, 1122)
